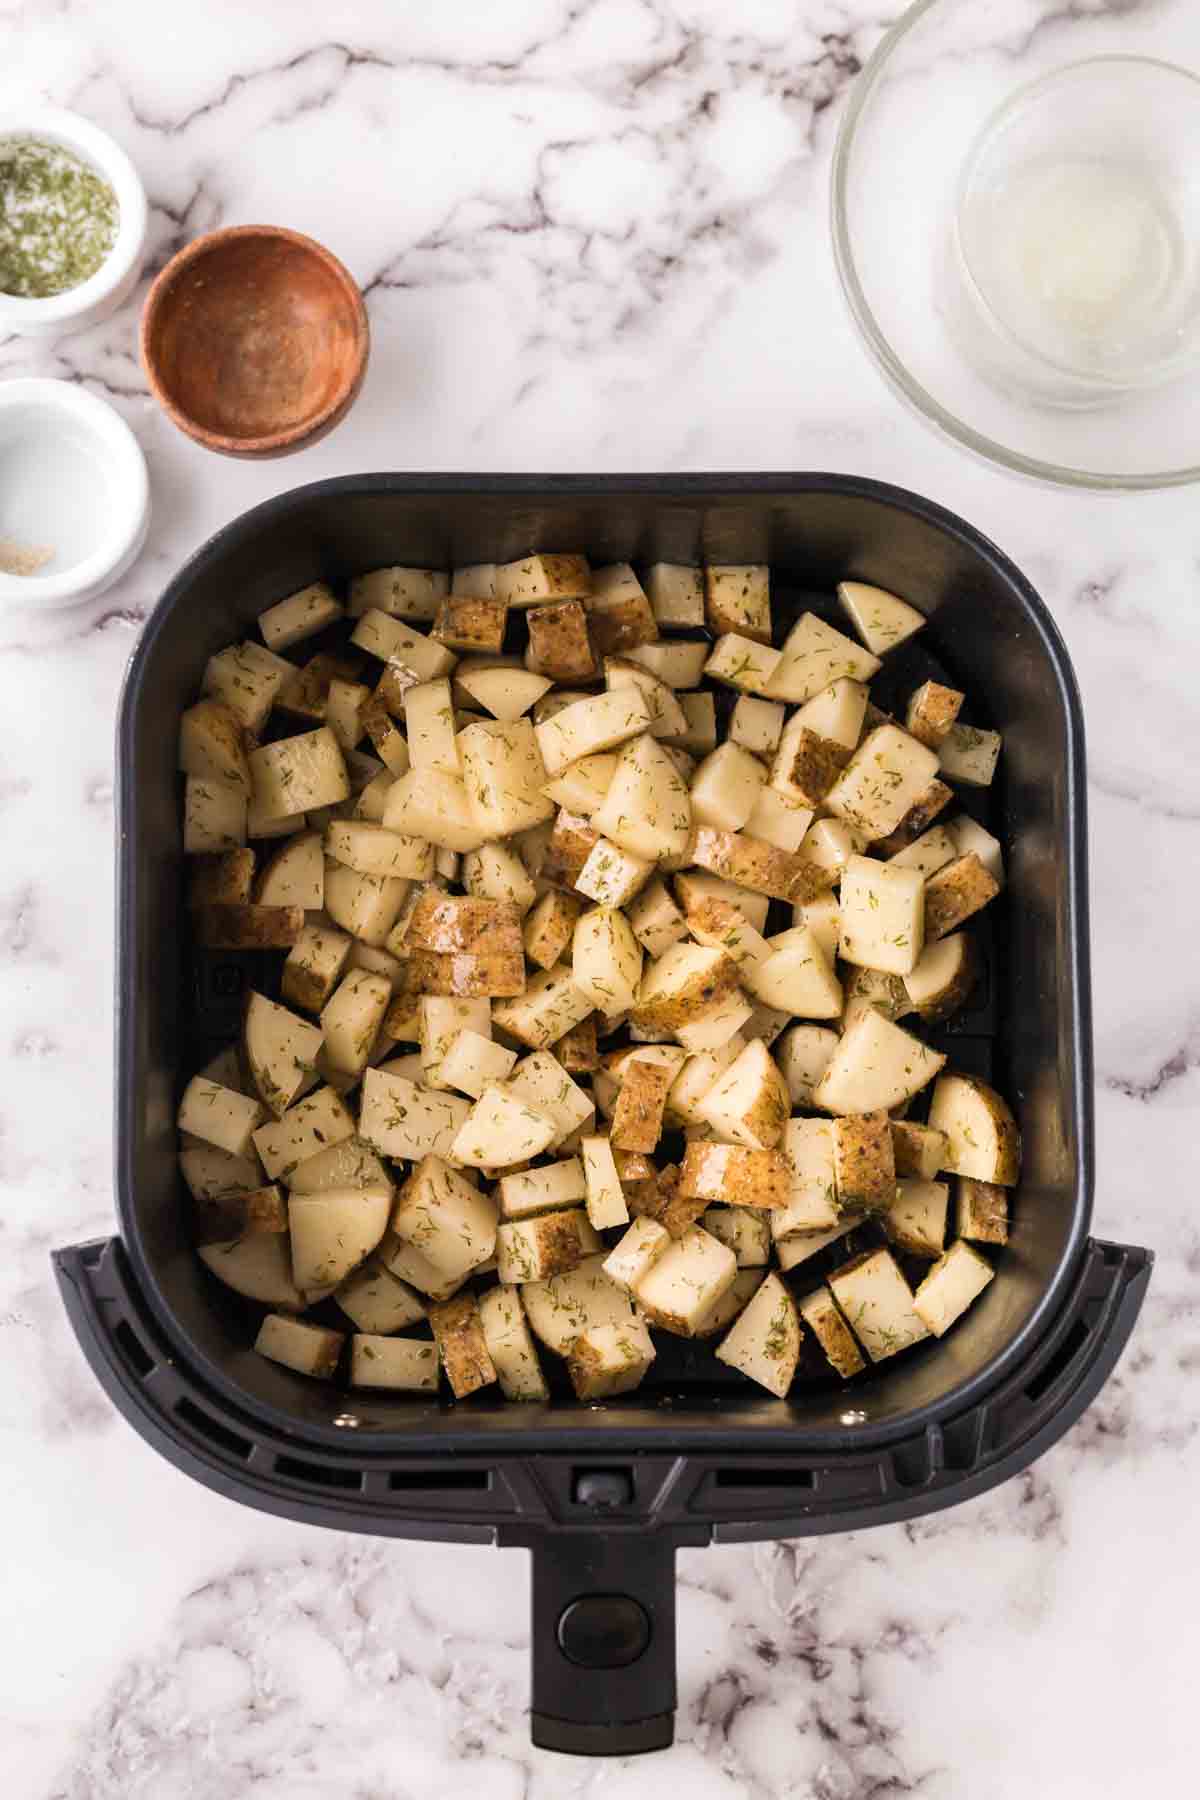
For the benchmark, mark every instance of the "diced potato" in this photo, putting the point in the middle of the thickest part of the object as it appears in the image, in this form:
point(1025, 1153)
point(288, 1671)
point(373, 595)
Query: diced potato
point(809, 1147)
point(459, 945)
point(606, 959)
point(805, 765)
point(510, 1345)
point(220, 1217)
point(366, 906)
point(247, 927)
point(916, 1218)
point(223, 878)
point(352, 1018)
point(881, 620)
point(882, 915)
point(756, 725)
point(696, 1077)
point(803, 1054)
point(969, 755)
point(646, 811)
point(685, 983)
point(413, 1267)
point(494, 872)
point(955, 1280)
point(927, 853)
point(944, 978)
point(347, 1164)
point(981, 1210)
point(398, 1118)
point(726, 787)
point(548, 1188)
point(217, 1115)
point(472, 1062)
point(667, 716)
point(377, 1301)
point(300, 616)
point(604, 1194)
point(407, 1365)
point(475, 578)
point(576, 1050)
point(982, 1137)
point(917, 820)
point(737, 598)
point(246, 678)
point(462, 1346)
point(281, 1051)
point(745, 1231)
point(308, 1349)
point(823, 917)
point(532, 580)
point(550, 1006)
point(600, 722)
point(258, 1266)
point(559, 644)
point(864, 1168)
point(506, 693)
point(619, 612)
point(313, 1124)
point(801, 1246)
point(970, 837)
point(680, 665)
point(504, 776)
point(542, 1080)
point(605, 1360)
point(878, 1304)
point(676, 594)
point(821, 1314)
point(637, 1252)
point(427, 804)
point(501, 1129)
point(749, 1103)
point(440, 1020)
point(722, 925)
point(836, 713)
point(332, 1232)
point(550, 927)
point(958, 891)
point(313, 966)
point(377, 850)
point(918, 1150)
point(931, 712)
point(699, 711)
point(739, 662)
point(559, 1309)
point(748, 861)
point(726, 1308)
point(305, 693)
point(571, 841)
point(299, 773)
point(815, 655)
point(450, 1222)
point(582, 785)
point(716, 1026)
point(678, 1289)
point(401, 592)
point(638, 1117)
point(212, 745)
point(214, 815)
point(410, 655)
point(871, 987)
point(765, 1341)
point(655, 920)
point(470, 623)
point(548, 1244)
point(429, 725)
point(386, 738)
point(795, 977)
point(876, 1066)
point(215, 1174)
point(295, 875)
point(885, 776)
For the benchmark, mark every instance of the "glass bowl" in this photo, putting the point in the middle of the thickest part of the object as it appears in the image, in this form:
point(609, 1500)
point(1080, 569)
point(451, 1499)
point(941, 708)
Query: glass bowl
point(962, 87)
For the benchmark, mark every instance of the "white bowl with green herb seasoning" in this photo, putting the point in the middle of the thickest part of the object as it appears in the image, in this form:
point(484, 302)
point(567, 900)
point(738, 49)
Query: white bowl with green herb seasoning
point(72, 222)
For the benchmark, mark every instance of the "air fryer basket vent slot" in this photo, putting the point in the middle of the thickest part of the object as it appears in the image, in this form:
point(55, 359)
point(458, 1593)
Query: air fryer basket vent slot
point(134, 1349)
point(213, 1429)
point(764, 1478)
point(321, 1474)
point(1062, 1359)
point(439, 1481)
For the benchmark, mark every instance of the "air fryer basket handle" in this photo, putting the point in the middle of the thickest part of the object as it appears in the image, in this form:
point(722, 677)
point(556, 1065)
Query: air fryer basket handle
point(603, 1638)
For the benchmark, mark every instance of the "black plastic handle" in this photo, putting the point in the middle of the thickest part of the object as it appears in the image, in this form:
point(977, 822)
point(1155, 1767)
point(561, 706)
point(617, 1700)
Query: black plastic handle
point(603, 1636)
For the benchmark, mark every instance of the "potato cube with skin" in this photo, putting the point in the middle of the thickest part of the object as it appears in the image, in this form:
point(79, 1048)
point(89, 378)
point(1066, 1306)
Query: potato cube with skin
point(214, 815)
point(559, 644)
point(406, 1365)
point(212, 745)
point(970, 837)
point(803, 1054)
point(332, 1232)
point(655, 920)
point(916, 821)
point(801, 1246)
point(685, 1281)
point(538, 1248)
point(441, 1019)
point(606, 959)
point(958, 891)
point(605, 1360)
point(764, 1343)
point(377, 1301)
point(696, 886)
point(982, 1137)
point(548, 1188)
point(795, 977)
point(637, 1122)
point(542, 1080)
point(745, 1231)
point(222, 878)
point(533, 580)
point(756, 725)
point(605, 1196)
point(611, 875)
point(577, 1050)
point(885, 776)
point(299, 773)
point(550, 927)
point(811, 1200)
point(821, 1314)
point(748, 862)
point(450, 1222)
point(823, 917)
point(740, 662)
point(560, 1308)
point(725, 788)
point(387, 741)
point(882, 620)
point(676, 594)
point(510, 1344)
point(314, 966)
point(916, 1218)
point(697, 1076)
point(504, 775)
point(814, 656)
point(247, 927)
point(931, 711)
point(944, 978)
point(398, 1118)
point(836, 713)
point(217, 1115)
point(918, 1150)
point(684, 984)
point(954, 1282)
point(876, 1066)
point(882, 916)
point(600, 722)
point(636, 1252)
point(494, 872)
point(981, 1211)
point(619, 612)
point(550, 1006)
point(737, 598)
point(572, 839)
point(410, 655)
point(877, 1303)
point(402, 593)
point(969, 755)
point(805, 765)
point(646, 810)
point(501, 1129)
point(308, 1349)
point(722, 925)
point(461, 1345)
point(927, 853)
point(472, 1062)
point(667, 717)
point(749, 1103)
point(470, 622)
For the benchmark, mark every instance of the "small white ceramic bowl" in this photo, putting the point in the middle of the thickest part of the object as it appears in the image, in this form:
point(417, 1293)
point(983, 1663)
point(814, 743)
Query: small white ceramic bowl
point(116, 278)
point(73, 481)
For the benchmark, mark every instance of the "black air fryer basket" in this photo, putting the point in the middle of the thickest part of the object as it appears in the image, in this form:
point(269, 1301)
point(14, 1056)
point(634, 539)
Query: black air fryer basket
point(602, 1496)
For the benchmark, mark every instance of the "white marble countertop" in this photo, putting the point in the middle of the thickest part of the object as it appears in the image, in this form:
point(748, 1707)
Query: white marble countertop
point(593, 237)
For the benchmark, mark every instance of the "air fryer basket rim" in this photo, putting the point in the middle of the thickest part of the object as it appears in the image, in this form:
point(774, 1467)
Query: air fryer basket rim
point(652, 1433)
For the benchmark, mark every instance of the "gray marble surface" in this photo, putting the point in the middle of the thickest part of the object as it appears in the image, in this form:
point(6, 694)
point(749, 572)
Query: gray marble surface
point(593, 237)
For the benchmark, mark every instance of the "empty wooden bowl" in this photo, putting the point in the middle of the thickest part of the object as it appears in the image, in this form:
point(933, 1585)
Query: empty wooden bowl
point(255, 340)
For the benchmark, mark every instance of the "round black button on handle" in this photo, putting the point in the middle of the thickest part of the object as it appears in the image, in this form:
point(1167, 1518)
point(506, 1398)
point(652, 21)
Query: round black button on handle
point(604, 1631)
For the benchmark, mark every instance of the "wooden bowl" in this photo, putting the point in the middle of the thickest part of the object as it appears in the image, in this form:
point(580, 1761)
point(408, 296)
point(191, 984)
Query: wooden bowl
point(255, 341)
